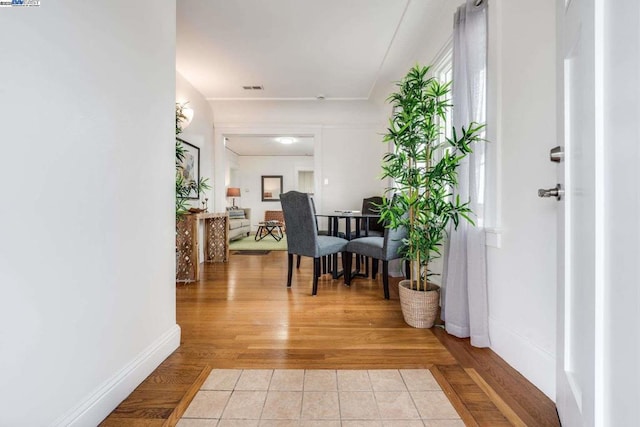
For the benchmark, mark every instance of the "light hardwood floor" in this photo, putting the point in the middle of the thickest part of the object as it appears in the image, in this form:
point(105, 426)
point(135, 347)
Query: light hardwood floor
point(241, 315)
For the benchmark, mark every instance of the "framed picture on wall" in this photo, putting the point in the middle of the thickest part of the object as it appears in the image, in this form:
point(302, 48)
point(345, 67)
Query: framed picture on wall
point(271, 188)
point(190, 166)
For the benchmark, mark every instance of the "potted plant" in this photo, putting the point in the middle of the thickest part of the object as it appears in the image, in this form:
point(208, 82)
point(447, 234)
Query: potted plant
point(423, 164)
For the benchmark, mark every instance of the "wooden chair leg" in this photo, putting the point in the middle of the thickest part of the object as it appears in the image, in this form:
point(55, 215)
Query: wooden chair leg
point(407, 269)
point(374, 268)
point(346, 266)
point(316, 274)
point(385, 278)
point(290, 268)
point(334, 264)
point(298, 262)
point(324, 265)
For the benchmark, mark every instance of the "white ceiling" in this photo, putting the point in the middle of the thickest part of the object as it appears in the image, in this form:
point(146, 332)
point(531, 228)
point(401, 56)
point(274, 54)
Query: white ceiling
point(296, 49)
point(251, 145)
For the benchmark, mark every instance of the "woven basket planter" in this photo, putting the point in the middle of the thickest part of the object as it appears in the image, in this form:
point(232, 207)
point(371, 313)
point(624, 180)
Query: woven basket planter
point(419, 308)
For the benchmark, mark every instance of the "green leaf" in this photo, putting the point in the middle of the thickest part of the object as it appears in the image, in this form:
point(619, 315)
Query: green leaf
point(422, 199)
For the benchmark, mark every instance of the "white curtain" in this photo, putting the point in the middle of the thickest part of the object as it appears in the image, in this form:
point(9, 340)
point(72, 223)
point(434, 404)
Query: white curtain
point(464, 296)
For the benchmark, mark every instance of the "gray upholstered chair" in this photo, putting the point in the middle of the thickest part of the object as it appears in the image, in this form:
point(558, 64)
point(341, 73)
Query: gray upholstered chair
point(370, 227)
point(375, 228)
point(326, 261)
point(326, 264)
point(320, 232)
point(303, 238)
point(384, 248)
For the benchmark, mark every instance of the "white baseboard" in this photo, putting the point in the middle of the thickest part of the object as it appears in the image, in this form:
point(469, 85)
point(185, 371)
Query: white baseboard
point(108, 396)
point(536, 364)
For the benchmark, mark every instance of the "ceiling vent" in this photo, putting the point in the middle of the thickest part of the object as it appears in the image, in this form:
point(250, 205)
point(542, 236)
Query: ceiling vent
point(253, 87)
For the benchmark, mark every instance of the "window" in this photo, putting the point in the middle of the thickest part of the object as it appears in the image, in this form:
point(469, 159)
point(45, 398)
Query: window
point(443, 71)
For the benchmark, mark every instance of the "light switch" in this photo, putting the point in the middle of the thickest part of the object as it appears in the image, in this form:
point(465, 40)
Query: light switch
point(326, 181)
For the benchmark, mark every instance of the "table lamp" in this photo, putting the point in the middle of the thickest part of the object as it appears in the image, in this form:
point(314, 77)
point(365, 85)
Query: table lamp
point(233, 192)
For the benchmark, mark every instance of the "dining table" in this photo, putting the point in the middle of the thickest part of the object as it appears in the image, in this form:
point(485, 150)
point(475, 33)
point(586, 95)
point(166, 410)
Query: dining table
point(360, 219)
point(333, 219)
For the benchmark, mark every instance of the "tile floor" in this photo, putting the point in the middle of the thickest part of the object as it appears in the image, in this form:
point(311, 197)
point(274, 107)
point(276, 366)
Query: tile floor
point(319, 398)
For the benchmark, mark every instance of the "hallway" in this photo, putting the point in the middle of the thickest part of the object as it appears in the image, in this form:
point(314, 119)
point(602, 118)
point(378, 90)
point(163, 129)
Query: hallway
point(242, 316)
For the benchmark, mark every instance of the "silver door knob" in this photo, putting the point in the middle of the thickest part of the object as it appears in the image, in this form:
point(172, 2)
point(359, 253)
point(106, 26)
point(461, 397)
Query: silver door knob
point(556, 192)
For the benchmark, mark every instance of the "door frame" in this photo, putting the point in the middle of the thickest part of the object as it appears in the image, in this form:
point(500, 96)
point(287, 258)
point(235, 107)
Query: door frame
point(223, 130)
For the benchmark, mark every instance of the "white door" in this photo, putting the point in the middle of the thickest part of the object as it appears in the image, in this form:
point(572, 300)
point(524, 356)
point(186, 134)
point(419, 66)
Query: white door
point(579, 339)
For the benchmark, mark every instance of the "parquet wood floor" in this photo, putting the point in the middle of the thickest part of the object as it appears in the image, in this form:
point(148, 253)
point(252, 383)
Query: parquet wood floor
point(241, 315)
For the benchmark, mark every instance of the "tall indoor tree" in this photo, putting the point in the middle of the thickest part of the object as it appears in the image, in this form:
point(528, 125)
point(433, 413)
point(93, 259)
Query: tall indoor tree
point(423, 166)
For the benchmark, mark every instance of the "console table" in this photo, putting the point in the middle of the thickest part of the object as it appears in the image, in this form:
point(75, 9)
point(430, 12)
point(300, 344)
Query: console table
point(216, 243)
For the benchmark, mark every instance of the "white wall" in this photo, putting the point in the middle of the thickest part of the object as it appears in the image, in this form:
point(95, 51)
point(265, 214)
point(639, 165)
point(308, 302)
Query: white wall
point(87, 248)
point(199, 132)
point(621, 79)
point(521, 126)
point(296, 112)
point(348, 137)
point(231, 176)
point(250, 171)
point(351, 164)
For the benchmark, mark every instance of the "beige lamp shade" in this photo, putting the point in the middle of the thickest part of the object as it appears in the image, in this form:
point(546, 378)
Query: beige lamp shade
point(233, 192)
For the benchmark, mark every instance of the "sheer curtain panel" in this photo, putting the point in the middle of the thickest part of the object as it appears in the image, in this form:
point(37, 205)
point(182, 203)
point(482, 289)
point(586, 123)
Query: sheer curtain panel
point(464, 297)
